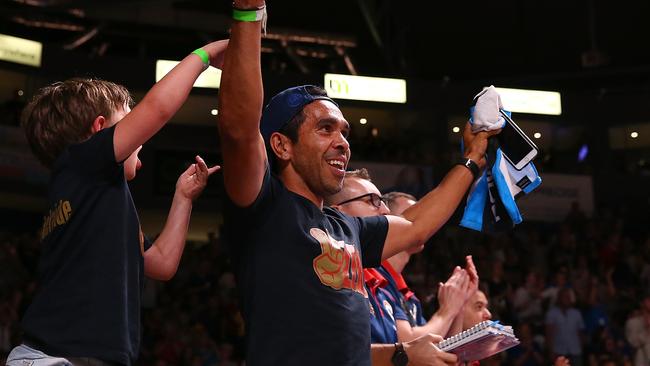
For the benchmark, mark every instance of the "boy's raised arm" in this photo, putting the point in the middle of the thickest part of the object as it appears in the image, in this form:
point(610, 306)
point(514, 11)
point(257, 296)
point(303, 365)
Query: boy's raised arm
point(240, 109)
point(163, 100)
point(162, 259)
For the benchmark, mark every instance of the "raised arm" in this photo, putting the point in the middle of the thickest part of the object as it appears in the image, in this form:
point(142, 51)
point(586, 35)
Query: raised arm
point(240, 103)
point(452, 297)
point(420, 221)
point(161, 260)
point(163, 100)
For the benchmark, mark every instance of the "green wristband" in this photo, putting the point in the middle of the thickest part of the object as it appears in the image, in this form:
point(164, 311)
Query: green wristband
point(251, 15)
point(204, 57)
point(248, 15)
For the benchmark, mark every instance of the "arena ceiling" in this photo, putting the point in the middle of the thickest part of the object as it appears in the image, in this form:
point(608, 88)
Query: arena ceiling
point(574, 44)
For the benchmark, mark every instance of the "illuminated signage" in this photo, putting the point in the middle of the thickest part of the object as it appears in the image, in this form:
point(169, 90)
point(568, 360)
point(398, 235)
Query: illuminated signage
point(20, 50)
point(210, 78)
point(365, 88)
point(531, 101)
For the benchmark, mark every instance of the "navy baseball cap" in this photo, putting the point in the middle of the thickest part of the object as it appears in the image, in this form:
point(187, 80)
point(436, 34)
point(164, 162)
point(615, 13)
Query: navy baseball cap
point(284, 106)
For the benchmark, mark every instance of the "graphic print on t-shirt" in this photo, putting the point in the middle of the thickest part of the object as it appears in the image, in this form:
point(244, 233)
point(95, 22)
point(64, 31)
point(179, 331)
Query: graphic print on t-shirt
point(58, 215)
point(339, 264)
point(389, 309)
point(413, 310)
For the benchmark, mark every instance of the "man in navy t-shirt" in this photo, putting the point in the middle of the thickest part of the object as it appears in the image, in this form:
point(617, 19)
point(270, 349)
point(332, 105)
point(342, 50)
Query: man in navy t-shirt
point(299, 263)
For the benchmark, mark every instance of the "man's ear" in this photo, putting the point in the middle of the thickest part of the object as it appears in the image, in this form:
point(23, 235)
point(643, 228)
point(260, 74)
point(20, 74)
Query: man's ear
point(98, 124)
point(281, 146)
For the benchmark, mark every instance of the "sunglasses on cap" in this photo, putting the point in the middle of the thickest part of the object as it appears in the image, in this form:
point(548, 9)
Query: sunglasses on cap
point(374, 199)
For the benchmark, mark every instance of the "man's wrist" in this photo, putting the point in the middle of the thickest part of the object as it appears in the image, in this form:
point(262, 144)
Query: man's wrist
point(473, 156)
point(400, 358)
point(446, 312)
point(181, 197)
point(472, 165)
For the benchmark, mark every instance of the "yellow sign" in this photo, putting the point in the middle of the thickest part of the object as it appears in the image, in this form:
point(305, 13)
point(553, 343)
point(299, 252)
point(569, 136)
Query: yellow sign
point(372, 89)
point(20, 50)
point(531, 101)
point(210, 78)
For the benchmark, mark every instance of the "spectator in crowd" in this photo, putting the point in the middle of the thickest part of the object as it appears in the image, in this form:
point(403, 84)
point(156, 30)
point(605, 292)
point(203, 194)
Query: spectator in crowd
point(450, 295)
point(280, 162)
point(405, 308)
point(476, 310)
point(95, 256)
point(637, 332)
point(549, 295)
point(564, 327)
point(527, 300)
point(499, 289)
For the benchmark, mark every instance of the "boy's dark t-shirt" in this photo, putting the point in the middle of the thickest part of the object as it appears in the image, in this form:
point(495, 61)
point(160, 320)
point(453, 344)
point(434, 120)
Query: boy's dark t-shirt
point(300, 273)
point(91, 267)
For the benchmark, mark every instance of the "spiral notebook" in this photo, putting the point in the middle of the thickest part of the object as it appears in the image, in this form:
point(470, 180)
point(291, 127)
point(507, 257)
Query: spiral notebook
point(480, 341)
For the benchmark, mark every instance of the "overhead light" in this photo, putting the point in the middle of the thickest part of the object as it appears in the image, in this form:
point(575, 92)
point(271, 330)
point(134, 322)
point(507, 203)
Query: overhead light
point(374, 132)
point(634, 134)
point(531, 101)
point(363, 121)
point(20, 50)
point(339, 86)
point(537, 135)
point(20, 92)
point(210, 78)
point(214, 112)
point(456, 129)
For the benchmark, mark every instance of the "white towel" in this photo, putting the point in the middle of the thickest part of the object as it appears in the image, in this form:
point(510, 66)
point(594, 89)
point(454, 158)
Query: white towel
point(484, 115)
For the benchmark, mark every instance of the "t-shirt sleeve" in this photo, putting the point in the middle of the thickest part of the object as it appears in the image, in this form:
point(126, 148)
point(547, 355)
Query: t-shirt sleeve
point(96, 156)
point(372, 236)
point(257, 212)
point(264, 198)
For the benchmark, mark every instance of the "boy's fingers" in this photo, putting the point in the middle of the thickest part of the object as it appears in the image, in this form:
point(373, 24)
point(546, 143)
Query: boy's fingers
point(190, 170)
point(201, 162)
point(213, 169)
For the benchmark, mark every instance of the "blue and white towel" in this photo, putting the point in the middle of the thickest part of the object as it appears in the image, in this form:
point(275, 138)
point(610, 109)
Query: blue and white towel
point(491, 201)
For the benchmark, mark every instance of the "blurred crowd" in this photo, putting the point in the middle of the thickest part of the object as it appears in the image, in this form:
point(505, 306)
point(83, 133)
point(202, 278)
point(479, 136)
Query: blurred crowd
point(579, 288)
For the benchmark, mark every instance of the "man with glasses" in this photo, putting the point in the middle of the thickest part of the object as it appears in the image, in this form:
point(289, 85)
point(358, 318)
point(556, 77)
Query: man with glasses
point(401, 315)
point(360, 197)
point(372, 198)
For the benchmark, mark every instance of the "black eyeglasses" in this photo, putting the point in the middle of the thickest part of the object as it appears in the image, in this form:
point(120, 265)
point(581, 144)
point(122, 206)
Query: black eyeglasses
point(375, 199)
